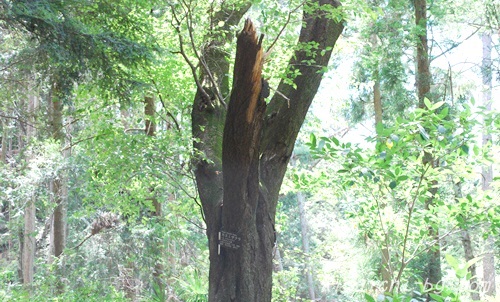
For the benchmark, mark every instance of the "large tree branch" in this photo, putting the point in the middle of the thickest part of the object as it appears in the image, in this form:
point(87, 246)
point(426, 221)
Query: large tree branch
point(284, 118)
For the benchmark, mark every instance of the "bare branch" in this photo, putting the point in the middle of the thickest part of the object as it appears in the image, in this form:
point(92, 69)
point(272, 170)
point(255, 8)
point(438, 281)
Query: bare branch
point(200, 58)
point(269, 49)
point(164, 106)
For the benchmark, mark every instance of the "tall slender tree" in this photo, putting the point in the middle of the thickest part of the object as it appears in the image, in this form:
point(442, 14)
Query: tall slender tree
point(28, 238)
point(432, 274)
point(57, 183)
point(487, 171)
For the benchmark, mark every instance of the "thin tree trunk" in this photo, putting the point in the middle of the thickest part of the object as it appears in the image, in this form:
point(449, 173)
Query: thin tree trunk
point(278, 262)
point(469, 255)
point(29, 242)
point(6, 207)
point(423, 74)
point(304, 229)
point(377, 97)
point(377, 100)
point(385, 265)
point(433, 271)
point(159, 285)
point(386, 271)
point(487, 171)
point(468, 250)
point(58, 225)
point(423, 83)
point(5, 133)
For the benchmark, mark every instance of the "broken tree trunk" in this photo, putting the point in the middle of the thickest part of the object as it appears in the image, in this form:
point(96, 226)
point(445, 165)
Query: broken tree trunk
point(244, 238)
point(245, 272)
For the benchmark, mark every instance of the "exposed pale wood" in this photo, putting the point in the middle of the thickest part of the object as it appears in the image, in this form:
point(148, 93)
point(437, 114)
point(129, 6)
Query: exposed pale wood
point(283, 118)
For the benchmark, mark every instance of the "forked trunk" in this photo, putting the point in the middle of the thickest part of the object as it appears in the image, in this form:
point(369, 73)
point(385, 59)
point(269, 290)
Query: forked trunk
point(258, 143)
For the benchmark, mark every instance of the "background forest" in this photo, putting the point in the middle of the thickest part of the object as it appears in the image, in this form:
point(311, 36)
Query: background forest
point(391, 194)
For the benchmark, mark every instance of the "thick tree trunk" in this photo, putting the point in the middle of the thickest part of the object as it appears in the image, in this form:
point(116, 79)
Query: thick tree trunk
point(248, 211)
point(242, 210)
point(208, 118)
point(487, 171)
point(304, 230)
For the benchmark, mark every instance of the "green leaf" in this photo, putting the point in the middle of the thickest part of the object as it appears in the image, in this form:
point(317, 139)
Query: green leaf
point(379, 128)
point(423, 133)
point(393, 184)
point(437, 105)
point(473, 261)
point(461, 273)
point(313, 140)
point(465, 149)
point(452, 261)
point(469, 197)
point(397, 171)
point(427, 103)
point(436, 297)
point(444, 112)
point(476, 150)
point(369, 298)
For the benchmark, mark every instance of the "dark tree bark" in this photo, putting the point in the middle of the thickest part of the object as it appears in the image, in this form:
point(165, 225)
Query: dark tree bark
point(432, 273)
point(208, 118)
point(423, 75)
point(257, 148)
point(58, 228)
point(237, 275)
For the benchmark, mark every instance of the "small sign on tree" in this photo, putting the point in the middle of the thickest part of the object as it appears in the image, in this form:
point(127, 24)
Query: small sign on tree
point(228, 240)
